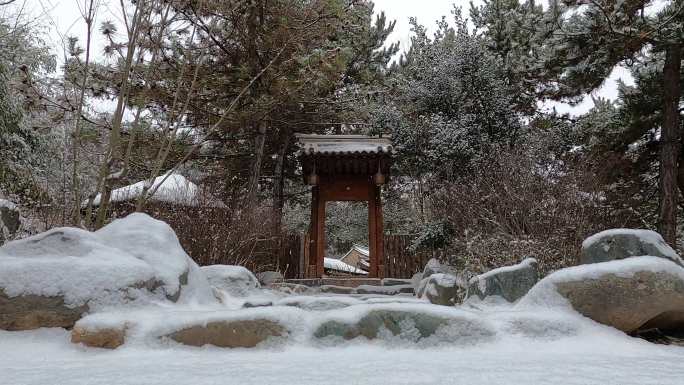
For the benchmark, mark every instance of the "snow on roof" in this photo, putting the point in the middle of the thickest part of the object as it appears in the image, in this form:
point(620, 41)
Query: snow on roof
point(363, 250)
point(344, 144)
point(174, 189)
point(7, 204)
point(337, 265)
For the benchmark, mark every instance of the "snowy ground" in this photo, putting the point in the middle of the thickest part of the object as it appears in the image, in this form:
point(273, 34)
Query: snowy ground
point(596, 356)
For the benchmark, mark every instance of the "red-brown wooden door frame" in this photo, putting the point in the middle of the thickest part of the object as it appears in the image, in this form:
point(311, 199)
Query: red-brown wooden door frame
point(353, 189)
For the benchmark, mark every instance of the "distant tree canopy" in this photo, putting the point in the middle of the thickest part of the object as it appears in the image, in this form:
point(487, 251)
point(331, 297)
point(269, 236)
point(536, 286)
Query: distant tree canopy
point(216, 90)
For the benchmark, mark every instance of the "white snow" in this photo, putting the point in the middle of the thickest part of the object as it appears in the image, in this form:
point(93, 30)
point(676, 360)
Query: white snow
point(527, 348)
point(94, 267)
point(336, 264)
point(7, 204)
point(544, 294)
point(174, 189)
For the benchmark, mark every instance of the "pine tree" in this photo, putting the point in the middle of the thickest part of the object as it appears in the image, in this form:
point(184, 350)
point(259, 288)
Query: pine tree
point(514, 32)
point(453, 102)
point(591, 37)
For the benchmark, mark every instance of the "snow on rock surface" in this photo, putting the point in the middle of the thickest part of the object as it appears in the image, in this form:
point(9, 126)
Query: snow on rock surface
point(337, 265)
point(236, 280)
point(628, 294)
point(135, 259)
point(614, 244)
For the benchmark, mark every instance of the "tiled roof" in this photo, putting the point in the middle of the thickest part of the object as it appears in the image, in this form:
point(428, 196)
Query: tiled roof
point(343, 144)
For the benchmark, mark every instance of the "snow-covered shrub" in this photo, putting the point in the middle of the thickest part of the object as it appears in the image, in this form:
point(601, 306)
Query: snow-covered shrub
point(518, 204)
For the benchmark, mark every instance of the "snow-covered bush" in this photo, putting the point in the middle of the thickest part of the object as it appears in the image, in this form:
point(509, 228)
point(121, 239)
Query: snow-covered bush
point(518, 204)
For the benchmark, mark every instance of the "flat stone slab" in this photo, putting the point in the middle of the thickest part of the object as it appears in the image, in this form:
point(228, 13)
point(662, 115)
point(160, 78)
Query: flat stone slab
point(246, 333)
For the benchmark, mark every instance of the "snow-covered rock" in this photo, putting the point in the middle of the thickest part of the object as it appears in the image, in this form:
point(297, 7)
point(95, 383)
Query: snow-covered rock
point(236, 280)
point(10, 220)
point(509, 282)
point(628, 294)
point(433, 266)
point(407, 323)
point(267, 278)
point(291, 288)
point(441, 289)
point(624, 243)
point(50, 279)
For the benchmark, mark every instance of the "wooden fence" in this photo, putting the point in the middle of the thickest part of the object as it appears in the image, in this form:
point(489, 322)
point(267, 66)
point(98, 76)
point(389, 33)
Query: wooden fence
point(398, 260)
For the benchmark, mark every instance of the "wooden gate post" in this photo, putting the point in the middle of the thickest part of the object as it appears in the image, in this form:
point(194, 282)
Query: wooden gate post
point(372, 234)
point(313, 234)
point(379, 234)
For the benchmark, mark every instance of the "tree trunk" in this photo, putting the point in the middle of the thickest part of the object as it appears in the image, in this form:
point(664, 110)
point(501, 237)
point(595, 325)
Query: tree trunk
point(259, 147)
point(279, 187)
point(669, 146)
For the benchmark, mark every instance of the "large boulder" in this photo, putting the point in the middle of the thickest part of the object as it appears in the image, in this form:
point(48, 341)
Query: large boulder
point(30, 311)
point(52, 278)
point(509, 282)
point(630, 294)
point(615, 244)
point(10, 220)
point(236, 280)
point(441, 289)
point(245, 333)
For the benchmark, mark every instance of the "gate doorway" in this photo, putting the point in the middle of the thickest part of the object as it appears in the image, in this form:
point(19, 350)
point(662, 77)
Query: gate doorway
point(345, 168)
point(346, 229)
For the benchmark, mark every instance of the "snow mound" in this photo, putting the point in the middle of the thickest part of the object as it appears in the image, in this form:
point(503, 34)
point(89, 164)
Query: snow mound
point(131, 257)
